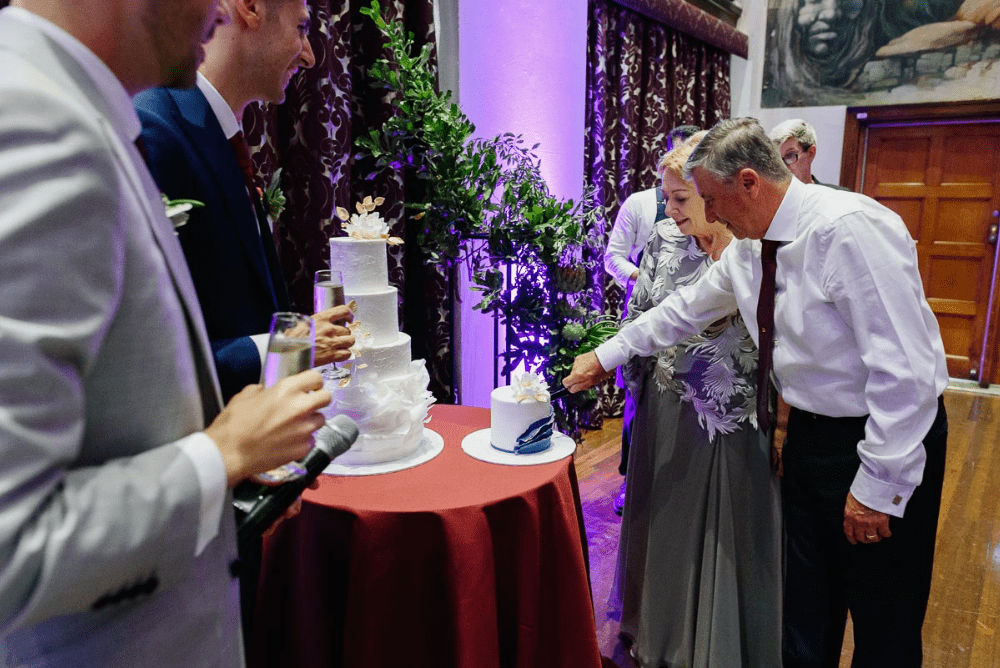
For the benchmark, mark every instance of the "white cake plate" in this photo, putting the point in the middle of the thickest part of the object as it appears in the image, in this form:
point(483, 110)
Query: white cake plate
point(431, 445)
point(477, 445)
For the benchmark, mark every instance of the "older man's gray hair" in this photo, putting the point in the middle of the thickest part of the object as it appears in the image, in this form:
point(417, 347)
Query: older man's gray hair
point(794, 128)
point(736, 144)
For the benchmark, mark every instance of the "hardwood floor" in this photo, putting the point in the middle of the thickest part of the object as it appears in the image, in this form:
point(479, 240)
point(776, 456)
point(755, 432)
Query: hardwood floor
point(963, 616)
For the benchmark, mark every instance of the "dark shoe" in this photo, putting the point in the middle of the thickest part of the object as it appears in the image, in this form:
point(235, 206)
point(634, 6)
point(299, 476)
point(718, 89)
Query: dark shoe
point(619, 502)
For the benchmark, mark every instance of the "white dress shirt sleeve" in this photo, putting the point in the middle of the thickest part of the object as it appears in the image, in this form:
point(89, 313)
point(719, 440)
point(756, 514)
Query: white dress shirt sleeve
point(683, 313)
point(874, 284)
point(212, 479)
point(622, 242)
point(260, 340)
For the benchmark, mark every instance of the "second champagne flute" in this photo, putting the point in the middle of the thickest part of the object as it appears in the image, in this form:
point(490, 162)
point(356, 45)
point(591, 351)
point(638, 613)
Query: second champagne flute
point(290, 347)
point(328, 291)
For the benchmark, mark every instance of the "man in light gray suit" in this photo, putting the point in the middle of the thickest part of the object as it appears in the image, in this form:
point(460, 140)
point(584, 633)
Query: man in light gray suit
point(117, 542)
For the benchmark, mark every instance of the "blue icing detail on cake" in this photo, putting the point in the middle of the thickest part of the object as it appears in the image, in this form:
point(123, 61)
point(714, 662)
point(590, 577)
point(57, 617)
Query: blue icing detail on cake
point(537, 437)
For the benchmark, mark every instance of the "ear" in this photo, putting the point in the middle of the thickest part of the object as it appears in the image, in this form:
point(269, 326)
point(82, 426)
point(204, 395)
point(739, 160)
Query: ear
point(812, 151)
point(748, 181)
point(248, 12)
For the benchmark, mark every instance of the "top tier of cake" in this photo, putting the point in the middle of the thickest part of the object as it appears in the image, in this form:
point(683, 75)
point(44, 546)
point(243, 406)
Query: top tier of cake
point(362, 262)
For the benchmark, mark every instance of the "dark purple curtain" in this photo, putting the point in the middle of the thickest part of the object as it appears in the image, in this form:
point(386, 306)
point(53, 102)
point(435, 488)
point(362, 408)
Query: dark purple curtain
point(311, 138)
point(643, 78)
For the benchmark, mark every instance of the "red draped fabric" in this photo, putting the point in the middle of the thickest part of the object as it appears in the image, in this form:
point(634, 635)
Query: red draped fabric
point(455, 563)
point(643, 78)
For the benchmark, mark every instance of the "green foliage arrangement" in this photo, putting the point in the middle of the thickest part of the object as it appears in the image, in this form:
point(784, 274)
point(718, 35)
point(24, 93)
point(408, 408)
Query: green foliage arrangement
point(486, 207)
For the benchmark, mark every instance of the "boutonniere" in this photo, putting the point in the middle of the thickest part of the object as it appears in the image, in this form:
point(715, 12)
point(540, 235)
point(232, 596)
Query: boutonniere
point(272, 198)
point(177, 210)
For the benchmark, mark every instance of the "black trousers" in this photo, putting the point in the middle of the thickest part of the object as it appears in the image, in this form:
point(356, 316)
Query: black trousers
point(885, 585)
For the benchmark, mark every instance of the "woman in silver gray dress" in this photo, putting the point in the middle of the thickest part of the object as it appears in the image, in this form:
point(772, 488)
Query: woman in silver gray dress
point(699, 560)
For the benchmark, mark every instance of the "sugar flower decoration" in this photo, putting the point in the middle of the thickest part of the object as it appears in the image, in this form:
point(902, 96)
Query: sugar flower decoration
point(366, 224)
point(529, 386)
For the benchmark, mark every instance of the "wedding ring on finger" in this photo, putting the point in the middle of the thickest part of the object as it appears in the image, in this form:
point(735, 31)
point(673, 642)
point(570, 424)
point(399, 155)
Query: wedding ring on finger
point(871, 536)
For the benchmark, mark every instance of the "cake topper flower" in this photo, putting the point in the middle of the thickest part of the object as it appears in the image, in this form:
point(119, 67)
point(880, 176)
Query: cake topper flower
point(366, 224)
point(529, 386)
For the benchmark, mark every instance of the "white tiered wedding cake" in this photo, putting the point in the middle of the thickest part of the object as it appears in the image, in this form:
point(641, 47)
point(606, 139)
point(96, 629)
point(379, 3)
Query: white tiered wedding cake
point(387, 392)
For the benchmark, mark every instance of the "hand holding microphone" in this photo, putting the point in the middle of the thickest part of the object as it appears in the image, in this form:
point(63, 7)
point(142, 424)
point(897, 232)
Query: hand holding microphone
point(258, 506)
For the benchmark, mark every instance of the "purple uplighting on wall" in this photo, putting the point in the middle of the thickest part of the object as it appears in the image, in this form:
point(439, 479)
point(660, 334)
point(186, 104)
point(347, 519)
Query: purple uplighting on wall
point(522, 69)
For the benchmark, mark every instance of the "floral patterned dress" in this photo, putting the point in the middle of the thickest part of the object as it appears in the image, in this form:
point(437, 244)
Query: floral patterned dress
point(699, 563)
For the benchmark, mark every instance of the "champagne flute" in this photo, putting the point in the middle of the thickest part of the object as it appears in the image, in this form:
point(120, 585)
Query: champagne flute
point(290, 347)
point(290, 350)
point(328, 291)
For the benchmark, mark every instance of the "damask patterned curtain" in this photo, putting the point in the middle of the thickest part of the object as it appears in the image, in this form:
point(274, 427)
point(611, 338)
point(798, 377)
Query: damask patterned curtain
point(643, 78)
point(310, 137)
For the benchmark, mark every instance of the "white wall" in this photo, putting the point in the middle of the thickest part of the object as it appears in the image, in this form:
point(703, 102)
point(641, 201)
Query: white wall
point(747, 76)
point(521, 69)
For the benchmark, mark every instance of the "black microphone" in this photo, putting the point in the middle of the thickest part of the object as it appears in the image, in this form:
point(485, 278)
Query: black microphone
point(258, 506)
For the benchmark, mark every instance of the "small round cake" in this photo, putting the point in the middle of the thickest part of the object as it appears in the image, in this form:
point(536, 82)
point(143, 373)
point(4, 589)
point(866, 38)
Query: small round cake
point(520, 419)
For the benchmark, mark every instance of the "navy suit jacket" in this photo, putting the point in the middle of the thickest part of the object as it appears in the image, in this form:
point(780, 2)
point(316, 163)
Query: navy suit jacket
point(235, 269)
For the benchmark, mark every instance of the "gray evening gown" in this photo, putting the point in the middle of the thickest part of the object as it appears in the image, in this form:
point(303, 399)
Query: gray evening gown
point(698, 580)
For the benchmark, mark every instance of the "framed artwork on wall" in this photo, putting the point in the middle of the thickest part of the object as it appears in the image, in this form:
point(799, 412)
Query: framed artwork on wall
point(877, 52)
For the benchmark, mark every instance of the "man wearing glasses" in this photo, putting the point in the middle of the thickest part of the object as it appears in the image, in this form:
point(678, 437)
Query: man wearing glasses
point(796, 142)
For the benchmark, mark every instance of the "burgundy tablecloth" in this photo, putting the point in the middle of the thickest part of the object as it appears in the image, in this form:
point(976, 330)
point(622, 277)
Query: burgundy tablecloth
point(456, 562)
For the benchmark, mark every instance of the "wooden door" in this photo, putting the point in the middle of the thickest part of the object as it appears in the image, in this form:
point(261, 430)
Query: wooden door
point(942, 178)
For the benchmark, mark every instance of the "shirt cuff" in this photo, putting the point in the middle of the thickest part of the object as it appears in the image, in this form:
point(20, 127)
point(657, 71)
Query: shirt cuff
point(211, 474)
point(260, 340)
point(885, 497)
point(611, 354)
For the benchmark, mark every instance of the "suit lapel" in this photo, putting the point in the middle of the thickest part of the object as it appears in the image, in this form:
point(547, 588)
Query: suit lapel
point(209, 142)
point(166, 241)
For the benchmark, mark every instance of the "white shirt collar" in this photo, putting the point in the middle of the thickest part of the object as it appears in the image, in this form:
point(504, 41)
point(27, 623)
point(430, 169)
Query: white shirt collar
point(123, 117)
point(225, 115)
point(784, 225)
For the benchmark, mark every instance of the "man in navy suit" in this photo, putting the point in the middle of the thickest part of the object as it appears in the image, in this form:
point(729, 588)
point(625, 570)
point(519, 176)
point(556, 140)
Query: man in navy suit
point(194, 145)
point(196, 150)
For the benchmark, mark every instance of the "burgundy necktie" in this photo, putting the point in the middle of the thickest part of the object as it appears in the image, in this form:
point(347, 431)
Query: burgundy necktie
point(765, 323)
point(239, 144)
point(242, 150)
point(271, 263)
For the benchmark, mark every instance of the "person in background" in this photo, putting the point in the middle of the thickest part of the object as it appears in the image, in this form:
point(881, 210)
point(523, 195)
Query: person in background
point(196, 150)
point(796, 142)
point(702, 521)
point(116, 456)
point(625, 243)
point(856, 352)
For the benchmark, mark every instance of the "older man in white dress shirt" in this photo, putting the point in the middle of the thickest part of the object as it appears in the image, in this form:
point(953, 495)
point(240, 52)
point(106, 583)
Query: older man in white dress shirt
point(858, 355)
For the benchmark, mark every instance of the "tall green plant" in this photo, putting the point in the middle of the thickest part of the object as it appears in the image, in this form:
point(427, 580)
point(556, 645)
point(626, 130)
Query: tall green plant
point(486, 206)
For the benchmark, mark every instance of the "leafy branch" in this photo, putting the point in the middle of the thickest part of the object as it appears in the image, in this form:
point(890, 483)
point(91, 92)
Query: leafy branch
point(486, 206)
